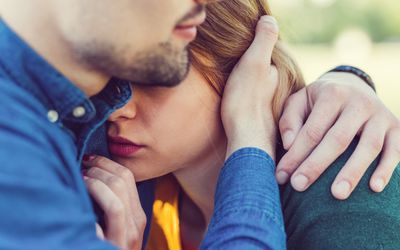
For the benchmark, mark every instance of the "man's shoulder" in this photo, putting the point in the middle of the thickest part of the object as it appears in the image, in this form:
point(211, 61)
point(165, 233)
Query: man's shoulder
point(322, 187)
point(14, 96)
point(26, 134)
point(21, 112)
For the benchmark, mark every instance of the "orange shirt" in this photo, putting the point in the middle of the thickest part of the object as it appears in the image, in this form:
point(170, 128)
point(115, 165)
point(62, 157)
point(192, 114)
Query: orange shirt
point(165, 228)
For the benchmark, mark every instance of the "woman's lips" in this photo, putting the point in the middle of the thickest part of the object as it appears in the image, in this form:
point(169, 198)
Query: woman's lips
point(122, 147)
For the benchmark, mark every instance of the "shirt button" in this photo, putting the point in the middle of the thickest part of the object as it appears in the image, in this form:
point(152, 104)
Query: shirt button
point(118, 90)
point(78, 112)
point(52, 115)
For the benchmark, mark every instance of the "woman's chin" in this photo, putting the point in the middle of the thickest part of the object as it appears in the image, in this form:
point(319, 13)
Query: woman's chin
point(143, 174)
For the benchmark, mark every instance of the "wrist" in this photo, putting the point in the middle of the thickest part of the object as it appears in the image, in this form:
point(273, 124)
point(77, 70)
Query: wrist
point(366, 79)
point(263, 138)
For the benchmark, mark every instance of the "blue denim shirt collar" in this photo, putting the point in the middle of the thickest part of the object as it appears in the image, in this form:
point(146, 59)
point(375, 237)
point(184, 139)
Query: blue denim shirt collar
point(34, 74)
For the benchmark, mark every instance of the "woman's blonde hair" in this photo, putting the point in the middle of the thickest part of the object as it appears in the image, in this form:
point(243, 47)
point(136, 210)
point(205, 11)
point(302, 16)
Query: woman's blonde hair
point(225, 36)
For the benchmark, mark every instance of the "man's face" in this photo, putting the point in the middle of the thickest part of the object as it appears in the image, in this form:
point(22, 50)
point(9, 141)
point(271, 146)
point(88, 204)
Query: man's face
point(144, 41)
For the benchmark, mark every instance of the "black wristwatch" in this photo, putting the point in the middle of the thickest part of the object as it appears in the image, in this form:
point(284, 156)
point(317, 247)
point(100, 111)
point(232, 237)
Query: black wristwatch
point(356, 71)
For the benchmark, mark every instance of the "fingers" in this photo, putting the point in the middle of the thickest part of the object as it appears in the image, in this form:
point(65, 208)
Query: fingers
point(121, 183)
point(120, 171)
point(368, 148)
point(99, 232)
point(319, 121)
point(294, 114)
point(265, 39)
point(334, 143)
point(114, 182)
point(388, 162)
point(113, 209)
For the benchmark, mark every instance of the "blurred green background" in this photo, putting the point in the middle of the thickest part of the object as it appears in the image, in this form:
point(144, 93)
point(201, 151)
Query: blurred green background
point(364, 33)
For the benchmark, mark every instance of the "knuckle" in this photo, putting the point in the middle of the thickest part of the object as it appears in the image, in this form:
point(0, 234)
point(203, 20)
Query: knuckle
point(91, 183)
point(289, 164)
point(333, 90)
point(284, 123)
point(142, 220)
point(115, 209)
point(116, 183)
point(367, 104)
point(92, 171)
point(268, 26)
point(374, 143)
point(314, 134)
point(312, 169)
point(126, 174)
point(98, 160)
point(340, 138)
point(255, 63)
point(294, 99)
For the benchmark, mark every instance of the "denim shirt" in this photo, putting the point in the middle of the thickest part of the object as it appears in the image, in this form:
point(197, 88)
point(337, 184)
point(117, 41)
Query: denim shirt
point(247, 212)
point(45, 124)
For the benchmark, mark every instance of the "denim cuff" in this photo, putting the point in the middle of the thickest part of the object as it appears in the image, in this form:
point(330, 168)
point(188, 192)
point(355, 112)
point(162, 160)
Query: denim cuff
point(247, 184)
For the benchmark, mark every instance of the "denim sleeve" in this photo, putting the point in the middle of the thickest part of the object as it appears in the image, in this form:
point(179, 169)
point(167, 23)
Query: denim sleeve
point(247, 213)
point(43, 203)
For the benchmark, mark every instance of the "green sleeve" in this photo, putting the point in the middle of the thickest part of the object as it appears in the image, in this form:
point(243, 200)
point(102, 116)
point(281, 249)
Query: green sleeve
point(367, 220)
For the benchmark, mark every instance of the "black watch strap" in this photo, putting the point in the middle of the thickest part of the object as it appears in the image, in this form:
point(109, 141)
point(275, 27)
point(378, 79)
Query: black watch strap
point(356, 71)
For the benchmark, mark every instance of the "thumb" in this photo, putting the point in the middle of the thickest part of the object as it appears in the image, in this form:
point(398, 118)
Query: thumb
point(266, 36)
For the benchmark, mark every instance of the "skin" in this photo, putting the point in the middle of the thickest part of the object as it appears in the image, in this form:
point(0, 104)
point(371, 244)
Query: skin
point(90, 41)
point(156, 119)
point(119, 38)
point(318, 124)
point(199, 142)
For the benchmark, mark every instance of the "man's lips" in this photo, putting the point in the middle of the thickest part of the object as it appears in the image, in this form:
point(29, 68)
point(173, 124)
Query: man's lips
point(187, 30)
point(194, 21)
point(122, 147)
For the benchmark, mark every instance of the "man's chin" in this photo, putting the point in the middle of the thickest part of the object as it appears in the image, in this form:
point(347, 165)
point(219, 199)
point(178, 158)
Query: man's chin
point(171, 80)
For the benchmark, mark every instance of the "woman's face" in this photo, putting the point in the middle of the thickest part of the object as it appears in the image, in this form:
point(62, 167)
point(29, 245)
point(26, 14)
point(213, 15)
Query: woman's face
point(162, 130)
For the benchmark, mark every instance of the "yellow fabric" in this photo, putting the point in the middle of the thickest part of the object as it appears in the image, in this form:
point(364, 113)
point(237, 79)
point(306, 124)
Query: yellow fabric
point(165, 230)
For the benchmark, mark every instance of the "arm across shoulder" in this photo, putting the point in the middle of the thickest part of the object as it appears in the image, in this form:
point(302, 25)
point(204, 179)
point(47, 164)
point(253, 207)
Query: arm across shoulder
point(314, 219)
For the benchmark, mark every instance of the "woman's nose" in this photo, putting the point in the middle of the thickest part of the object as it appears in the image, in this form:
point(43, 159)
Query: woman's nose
point(127, 112)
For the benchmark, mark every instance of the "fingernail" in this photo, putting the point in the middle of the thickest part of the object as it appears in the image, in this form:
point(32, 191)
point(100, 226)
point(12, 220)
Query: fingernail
point(288, 138)
point(379, 185)
point(88, 157)
point(282, 177)
point(269, 19)
point(300, 182)
point(341, 190)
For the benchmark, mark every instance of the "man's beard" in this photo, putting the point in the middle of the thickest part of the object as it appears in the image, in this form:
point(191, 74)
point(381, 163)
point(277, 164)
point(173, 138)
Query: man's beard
point(164, 65)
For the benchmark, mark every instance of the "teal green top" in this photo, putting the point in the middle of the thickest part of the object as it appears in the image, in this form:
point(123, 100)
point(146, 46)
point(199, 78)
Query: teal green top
point(314, 219)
